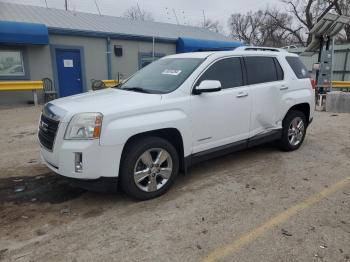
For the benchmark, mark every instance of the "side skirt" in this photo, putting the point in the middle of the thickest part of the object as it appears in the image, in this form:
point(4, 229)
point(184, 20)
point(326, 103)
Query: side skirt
point(231, 148)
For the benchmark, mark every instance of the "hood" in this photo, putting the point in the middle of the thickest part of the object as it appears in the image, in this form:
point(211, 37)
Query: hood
point(104, 101)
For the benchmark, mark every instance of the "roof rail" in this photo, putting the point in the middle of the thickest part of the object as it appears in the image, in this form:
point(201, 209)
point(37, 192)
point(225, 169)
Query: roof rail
point(258, 48)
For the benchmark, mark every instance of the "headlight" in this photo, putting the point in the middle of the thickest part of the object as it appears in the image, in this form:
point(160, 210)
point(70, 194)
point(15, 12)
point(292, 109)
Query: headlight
point(84, 126)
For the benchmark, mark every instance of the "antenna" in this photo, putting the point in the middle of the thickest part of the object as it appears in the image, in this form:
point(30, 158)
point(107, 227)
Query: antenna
point(177, 20)
point(98, 9)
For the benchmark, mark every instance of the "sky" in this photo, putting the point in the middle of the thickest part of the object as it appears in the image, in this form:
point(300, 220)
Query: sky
point(187, 11)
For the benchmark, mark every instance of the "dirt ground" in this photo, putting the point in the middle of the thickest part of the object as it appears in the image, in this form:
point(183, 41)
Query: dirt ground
point(257, 205)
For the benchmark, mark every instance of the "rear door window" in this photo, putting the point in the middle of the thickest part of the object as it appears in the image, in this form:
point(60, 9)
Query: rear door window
point(228, 71)
point(298, 67)
point(262, 69)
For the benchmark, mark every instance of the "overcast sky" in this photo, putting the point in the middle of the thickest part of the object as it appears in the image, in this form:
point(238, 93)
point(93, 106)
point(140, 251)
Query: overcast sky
point(187, 11)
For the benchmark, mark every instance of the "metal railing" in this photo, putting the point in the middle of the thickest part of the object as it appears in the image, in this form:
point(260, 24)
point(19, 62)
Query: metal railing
point(110, 83)
point(34, 86)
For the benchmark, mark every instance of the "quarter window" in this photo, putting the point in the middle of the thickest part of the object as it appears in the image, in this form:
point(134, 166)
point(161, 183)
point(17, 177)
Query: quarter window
point(262, 69)
point(298, 67)
point(228, 71)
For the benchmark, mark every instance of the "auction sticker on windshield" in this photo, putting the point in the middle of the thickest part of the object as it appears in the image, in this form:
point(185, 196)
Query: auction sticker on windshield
point(172, 72)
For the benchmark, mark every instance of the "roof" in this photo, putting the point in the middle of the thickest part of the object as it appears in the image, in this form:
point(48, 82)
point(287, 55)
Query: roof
point(69, 22)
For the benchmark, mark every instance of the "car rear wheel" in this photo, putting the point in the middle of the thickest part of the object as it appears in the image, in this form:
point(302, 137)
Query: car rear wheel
point(148, 168)
point(294, 130)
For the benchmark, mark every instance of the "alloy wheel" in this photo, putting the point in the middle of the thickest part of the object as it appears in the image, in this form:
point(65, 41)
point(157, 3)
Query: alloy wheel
point(153, 169)
point(296, 131)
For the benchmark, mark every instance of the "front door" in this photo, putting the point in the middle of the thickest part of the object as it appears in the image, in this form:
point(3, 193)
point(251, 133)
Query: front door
point(222, 117)
point(69, 72)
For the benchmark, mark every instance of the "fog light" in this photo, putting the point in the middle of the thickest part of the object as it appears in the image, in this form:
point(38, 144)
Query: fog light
point(78, 162)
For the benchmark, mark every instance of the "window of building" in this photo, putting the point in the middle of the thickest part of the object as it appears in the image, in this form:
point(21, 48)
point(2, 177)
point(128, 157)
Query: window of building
point(228, 71)
point(262, 69)
point(147, 58)
point(11, 63)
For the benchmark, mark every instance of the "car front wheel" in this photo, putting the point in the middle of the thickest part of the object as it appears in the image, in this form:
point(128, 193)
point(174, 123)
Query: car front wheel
point(149, 167)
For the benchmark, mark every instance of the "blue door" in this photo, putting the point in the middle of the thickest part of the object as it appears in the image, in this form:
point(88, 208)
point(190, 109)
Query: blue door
point(69, 72)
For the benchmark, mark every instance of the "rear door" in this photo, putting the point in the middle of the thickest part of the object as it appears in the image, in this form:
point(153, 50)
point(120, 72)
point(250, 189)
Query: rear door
point(266, 80)
point(222, 117)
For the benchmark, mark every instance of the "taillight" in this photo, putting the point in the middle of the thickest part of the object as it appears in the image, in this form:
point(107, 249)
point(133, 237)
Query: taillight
point(313, 83)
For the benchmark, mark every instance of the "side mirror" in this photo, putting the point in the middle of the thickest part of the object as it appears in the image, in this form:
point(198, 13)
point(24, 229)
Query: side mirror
point(207, 86)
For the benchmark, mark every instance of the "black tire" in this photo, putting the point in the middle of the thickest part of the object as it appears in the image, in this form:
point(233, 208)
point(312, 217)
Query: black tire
point(130, 157)
point(285, 143)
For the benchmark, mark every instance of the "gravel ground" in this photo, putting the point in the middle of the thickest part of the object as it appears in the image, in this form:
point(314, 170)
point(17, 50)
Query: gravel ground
point(44, 219)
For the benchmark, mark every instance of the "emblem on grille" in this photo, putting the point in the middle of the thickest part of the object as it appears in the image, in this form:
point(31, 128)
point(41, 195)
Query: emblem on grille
point(44, 126)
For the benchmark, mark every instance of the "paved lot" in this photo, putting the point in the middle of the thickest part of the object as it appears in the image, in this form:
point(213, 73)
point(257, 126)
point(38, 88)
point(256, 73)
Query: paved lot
point(256, 205)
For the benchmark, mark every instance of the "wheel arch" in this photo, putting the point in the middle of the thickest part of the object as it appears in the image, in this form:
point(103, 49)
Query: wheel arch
point(302, 107)
point(172, 135)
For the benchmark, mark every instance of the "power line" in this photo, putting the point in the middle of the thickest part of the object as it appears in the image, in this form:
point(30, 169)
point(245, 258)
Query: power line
point(98, 8)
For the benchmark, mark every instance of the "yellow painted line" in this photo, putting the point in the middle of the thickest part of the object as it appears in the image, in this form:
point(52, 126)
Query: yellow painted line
point(234, 246)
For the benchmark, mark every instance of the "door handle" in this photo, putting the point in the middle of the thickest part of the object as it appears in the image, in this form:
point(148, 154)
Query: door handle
point(283, 87)
point(242, 94)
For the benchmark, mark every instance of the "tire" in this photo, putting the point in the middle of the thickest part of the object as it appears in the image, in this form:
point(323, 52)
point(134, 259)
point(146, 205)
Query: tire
point(293, 119)
point(139, 163)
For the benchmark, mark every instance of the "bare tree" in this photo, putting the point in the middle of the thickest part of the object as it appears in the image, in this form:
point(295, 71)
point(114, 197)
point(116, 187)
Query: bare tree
point(306, 13)
point(135, 13)
point(264, 28)
point(284, 23)
point(212, 25)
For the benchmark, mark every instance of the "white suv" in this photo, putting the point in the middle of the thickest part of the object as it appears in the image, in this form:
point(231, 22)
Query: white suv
point(175, 112)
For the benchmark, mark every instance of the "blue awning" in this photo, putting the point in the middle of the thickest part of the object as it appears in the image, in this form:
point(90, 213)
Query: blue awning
point(23, 33)
point(184, 45)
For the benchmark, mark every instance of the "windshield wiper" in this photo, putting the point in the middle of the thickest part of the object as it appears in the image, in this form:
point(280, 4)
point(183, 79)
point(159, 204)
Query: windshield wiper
point(136, 89)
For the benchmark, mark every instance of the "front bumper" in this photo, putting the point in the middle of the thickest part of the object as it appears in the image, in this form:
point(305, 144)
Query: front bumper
point(102, 184)
point(98, 161)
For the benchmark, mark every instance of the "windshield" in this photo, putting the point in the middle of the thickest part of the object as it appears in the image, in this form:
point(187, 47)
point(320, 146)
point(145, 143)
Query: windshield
point(162, 76)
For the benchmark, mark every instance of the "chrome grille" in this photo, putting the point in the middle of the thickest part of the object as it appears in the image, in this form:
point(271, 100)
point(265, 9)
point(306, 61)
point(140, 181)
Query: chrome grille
point(47, 131)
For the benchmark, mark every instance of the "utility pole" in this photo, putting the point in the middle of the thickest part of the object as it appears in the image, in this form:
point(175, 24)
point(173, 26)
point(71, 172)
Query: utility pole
point(46, 4)
point(203, 18)
point(140, 12)
point(66, 4)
